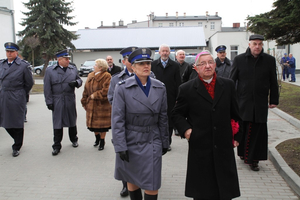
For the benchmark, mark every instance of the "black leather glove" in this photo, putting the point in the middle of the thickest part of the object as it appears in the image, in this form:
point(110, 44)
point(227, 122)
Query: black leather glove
point(164, 151)
point(73, 84)
point(124, 156)
point(50, 107)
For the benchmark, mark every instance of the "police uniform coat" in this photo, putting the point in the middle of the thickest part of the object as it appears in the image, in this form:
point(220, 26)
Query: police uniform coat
point(256, 81)
point(170, 76)
point(58, 92)
point(211, 167)
point(116, 79)
point(140, 125)
point(15, 83)
point(223, 69)
point(98, 110)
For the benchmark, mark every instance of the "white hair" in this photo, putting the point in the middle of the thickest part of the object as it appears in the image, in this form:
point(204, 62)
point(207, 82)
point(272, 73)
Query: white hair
point(164, 45)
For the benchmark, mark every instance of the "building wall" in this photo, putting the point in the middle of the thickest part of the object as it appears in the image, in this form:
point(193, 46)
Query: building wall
point(229, 39)
point(6, 31)
point(7, 28)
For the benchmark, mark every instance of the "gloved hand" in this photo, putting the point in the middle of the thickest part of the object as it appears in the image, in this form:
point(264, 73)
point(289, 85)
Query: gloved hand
point(50, 107)
point(73, 84)
point(124, 156)
point(164, 151)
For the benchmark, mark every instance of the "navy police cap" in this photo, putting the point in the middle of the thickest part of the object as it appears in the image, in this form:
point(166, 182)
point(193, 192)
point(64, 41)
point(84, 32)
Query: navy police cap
point(140, 55)
point(256, 37)
point(9, 46)
point(221, 48)
point(63, 53)
point(127, 51)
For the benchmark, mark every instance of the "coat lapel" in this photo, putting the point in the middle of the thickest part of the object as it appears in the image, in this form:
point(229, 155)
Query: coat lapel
point(201, 90)
point(219, 89)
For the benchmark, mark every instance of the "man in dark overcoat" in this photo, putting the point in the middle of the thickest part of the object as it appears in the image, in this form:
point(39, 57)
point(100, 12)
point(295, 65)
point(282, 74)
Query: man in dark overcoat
point(167, 71)
point(203, 112)
point(257, 89)
point(15, 84)
point(59, 90)
point(112, 68)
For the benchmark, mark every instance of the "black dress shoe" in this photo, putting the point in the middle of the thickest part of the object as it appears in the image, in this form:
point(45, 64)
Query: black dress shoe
point(169, 149)
point(15, 153)
point(242, 158)
point(124, 192)
point(254, 167)
point(55, 152)
point(74, 144)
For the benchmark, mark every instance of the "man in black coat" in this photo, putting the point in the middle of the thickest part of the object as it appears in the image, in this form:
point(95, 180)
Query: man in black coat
point(257, 89)
point(203, 112)
point(112, 68)
point(168, 72)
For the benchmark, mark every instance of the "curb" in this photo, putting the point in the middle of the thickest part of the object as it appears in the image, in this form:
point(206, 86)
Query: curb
point(292, 179)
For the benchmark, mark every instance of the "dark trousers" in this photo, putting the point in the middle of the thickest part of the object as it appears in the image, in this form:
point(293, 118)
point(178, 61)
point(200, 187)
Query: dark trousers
point(58, 136)
point(17, 134)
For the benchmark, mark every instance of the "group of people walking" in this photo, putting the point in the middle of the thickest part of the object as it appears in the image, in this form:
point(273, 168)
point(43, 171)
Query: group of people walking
point(214, 104)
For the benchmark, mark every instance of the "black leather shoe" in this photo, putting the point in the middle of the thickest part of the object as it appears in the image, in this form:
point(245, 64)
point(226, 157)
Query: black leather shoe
point(74, 144)
point(15, 153)
point(55, 152)
point(124, 192)
point(242, 158)
point(254, 167)
point(169, 149)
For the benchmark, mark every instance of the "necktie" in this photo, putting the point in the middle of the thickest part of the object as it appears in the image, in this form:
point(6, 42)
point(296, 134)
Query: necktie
point(164, 64)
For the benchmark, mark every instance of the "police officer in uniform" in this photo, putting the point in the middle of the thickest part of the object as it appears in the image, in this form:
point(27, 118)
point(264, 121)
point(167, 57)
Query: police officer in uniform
point(140, 128)
point(15, 83)
point(59, 90)
point(223, 64)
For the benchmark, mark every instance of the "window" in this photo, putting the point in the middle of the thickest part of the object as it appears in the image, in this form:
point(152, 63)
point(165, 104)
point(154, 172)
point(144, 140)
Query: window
point(212, 25)
point(160, 25)
point(281, 47)
point(233, 52)
point(171, 24)
point(200, 24)
point(181, 24)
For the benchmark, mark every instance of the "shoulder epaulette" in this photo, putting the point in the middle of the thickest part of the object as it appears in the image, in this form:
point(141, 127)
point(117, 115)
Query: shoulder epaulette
point(25, 61)
point(121, 82)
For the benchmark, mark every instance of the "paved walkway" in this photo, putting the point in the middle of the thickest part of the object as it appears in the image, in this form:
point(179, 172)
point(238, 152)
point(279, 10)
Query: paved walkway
point(86, 173)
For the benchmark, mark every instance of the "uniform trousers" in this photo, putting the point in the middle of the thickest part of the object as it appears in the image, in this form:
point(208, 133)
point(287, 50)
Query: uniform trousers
point(58, 136)
point(17, 134)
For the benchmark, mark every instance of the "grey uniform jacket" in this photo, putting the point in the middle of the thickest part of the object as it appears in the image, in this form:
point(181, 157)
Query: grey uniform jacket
point(15, 83)
point(116, 79)
point(140, 125)
point(58, 92)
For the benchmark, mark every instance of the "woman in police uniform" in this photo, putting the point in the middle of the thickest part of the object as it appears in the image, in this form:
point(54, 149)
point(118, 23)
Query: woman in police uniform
point(140, 128)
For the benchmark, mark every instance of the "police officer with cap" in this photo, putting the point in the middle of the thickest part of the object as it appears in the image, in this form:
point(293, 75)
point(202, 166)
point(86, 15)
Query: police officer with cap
point(140, 128)
point(223, 64)
point(15, 81)
point(123, 75)
point(59, 90)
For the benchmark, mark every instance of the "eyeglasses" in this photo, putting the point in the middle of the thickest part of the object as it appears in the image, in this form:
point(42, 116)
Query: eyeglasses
point(203, 64)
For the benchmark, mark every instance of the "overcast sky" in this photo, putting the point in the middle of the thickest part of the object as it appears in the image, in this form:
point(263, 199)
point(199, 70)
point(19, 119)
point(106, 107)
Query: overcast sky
point(90, 13)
